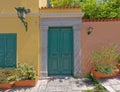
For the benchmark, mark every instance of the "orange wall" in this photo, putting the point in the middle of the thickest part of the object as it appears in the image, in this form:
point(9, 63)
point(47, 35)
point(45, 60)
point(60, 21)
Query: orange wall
point(104, 33)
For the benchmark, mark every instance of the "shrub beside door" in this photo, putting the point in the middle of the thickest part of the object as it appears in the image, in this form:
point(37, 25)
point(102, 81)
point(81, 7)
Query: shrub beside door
point(104, 64)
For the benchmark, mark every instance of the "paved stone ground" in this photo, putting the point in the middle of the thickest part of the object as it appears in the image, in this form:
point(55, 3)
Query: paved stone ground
point(112, 84)
point(67, 84)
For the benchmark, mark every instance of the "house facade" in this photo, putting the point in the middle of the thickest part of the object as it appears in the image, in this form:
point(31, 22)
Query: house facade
point(17, 45)
point(52, 42)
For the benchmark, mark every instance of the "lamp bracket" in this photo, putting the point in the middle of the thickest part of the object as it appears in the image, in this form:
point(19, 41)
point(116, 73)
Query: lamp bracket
point(21, 12)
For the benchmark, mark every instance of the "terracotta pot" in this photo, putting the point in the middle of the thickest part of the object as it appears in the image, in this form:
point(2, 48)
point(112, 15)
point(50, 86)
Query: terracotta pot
point(26, 83)
point(6, 86)
point(99, 75)
point(118, 66)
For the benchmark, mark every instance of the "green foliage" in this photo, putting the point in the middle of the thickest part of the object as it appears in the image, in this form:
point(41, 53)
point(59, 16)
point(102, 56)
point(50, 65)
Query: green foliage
point(118, 59)
point(89, 7)
point(107, 69)
point(99, 88)
point(65, 3)
point(87, 91)
point(93, 79)
point(104, 61)
point(25, 72)
point(6, 76)
point(93, 9)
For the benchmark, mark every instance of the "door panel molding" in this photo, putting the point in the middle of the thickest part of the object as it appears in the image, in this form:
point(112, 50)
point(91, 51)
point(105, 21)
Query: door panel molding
point(60, 39)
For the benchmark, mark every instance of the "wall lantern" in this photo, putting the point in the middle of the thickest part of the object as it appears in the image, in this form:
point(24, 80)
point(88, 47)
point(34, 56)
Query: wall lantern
point(21, 12)
point(90, 30)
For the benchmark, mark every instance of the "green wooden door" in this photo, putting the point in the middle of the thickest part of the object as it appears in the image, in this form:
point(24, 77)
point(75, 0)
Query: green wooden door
point(60, 51)
point(7, 50)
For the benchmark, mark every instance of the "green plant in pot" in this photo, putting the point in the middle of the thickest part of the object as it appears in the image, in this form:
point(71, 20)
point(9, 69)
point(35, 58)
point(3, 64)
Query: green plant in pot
point(27, 75)
point(7, 78)
point(118, 62)
point(104, 62)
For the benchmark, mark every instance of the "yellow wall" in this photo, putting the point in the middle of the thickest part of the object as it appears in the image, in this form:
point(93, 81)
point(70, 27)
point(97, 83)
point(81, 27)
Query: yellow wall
point(28, 43)
point(7, 6)
point(48, 10)
point(32, 4)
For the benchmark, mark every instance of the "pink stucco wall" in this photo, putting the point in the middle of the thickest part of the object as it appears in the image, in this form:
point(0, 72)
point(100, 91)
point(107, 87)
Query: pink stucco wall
point(104, 33)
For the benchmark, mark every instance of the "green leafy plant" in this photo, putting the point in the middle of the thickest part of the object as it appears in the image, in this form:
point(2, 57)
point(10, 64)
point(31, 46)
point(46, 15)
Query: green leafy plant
point(118, 59)
point(93, 79)
point(26, 72)
point(65, 3)
point(105, 60)
point(108, 69)
point(87, 91)
point(98, 9)
point(93, 9)
point(99, 88)
point(7, 75)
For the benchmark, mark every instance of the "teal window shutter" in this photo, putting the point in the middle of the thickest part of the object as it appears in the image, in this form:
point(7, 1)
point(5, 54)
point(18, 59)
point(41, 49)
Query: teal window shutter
point(7, 50)
point(2, 51)
point(10, 51)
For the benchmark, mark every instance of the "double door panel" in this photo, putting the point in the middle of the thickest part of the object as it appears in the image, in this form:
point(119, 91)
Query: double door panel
point(60, 51)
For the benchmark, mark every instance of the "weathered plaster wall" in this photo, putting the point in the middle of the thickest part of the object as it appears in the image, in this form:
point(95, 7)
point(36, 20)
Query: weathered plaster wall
point(104, 33)
point(8, 6)
point(32, 4)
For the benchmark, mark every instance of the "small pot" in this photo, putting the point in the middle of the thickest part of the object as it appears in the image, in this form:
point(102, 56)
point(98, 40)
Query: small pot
point(99, 75)
point(26, 83)
point(6, 86)
point(118, 66)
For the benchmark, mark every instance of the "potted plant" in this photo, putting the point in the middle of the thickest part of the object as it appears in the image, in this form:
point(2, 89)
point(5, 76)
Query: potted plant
point(7, 78)
point(118, 62)
point(26, 77)
point(104, 62)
